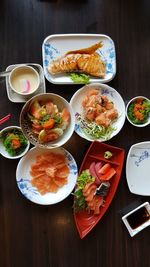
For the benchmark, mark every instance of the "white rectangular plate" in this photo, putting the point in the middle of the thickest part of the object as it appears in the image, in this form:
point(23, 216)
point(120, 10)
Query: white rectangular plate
point(55, 46)
point(138, 168)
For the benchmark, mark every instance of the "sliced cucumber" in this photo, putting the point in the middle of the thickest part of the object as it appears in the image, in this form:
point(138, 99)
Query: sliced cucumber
point(59, 131)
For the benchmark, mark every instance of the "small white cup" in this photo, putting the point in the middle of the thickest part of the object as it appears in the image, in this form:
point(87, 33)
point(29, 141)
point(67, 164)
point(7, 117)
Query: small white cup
point(24, 80)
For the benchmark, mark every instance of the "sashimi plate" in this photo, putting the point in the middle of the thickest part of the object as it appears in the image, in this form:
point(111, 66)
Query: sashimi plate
point(113, 96)
point(23, 177)
point(55, 46)
point(84, 220)
point(138, 168)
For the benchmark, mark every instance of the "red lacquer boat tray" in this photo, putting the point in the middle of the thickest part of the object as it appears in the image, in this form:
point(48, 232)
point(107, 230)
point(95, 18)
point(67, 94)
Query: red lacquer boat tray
point(85, 221)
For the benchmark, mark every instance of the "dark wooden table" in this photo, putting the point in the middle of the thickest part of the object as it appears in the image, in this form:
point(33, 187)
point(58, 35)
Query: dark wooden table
point(42, 236)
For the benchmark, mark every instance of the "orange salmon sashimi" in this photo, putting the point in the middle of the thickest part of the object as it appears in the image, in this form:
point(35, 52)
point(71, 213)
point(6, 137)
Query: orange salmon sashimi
point(60, 182)
point(98, 108)
point(49, 172)
point(51, 158)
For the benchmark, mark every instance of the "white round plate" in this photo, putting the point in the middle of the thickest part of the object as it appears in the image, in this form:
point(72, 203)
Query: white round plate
point(113, 95)
point(138, 168)
point(23, 177)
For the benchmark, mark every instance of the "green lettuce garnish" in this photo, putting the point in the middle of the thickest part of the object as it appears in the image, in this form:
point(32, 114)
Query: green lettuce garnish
point(79, 78)
point(94, 131)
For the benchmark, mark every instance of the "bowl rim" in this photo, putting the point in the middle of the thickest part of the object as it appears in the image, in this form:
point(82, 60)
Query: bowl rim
point(126, 111)
point(71, 125)
point(26, 149)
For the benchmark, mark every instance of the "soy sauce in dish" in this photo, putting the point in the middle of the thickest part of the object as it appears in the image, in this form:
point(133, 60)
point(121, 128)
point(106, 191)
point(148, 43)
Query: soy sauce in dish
point(138, 217)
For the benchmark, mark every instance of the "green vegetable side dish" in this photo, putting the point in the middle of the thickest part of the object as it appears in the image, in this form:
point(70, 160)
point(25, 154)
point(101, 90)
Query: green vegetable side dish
point(138, 111)
point(79, 78)
point(79, 200)
point(14, 142)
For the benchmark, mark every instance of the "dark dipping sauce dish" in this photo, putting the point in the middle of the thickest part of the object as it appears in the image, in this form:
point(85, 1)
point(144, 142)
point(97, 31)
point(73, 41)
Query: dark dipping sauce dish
point(138, 217)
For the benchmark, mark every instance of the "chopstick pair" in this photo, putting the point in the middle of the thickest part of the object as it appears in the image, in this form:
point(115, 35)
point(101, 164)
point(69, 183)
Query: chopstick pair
point(4, 119)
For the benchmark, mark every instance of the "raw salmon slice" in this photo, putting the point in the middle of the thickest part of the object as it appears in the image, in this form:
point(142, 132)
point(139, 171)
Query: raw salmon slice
point(49, 172)
point(63, 172)
point(60, 182)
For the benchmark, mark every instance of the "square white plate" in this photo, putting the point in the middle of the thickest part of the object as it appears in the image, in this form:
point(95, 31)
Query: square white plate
point(55, 46)
point(16, 98)
point(133, 232)
point(138, 168)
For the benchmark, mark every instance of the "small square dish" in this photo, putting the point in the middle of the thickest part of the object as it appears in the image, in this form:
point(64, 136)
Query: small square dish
point(138, 168)
point(55, 46)
point(16, 98)
point(137, 219)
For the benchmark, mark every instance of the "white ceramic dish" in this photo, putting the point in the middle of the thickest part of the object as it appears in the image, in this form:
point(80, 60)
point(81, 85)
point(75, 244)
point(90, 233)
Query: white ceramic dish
point(138, 168)
point(61, 103)
point(16, 98)
point(23, 177)
point(135, 231)
point(127, 107)
point(24, 80)
point(112, 94)
point(3, 151)
point(55, 46)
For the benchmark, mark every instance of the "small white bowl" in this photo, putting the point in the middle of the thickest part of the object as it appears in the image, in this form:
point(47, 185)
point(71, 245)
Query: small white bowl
point(26, 127)
point(129, 103)
point(132, 231)
point(3, 151)
point(25, 77)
